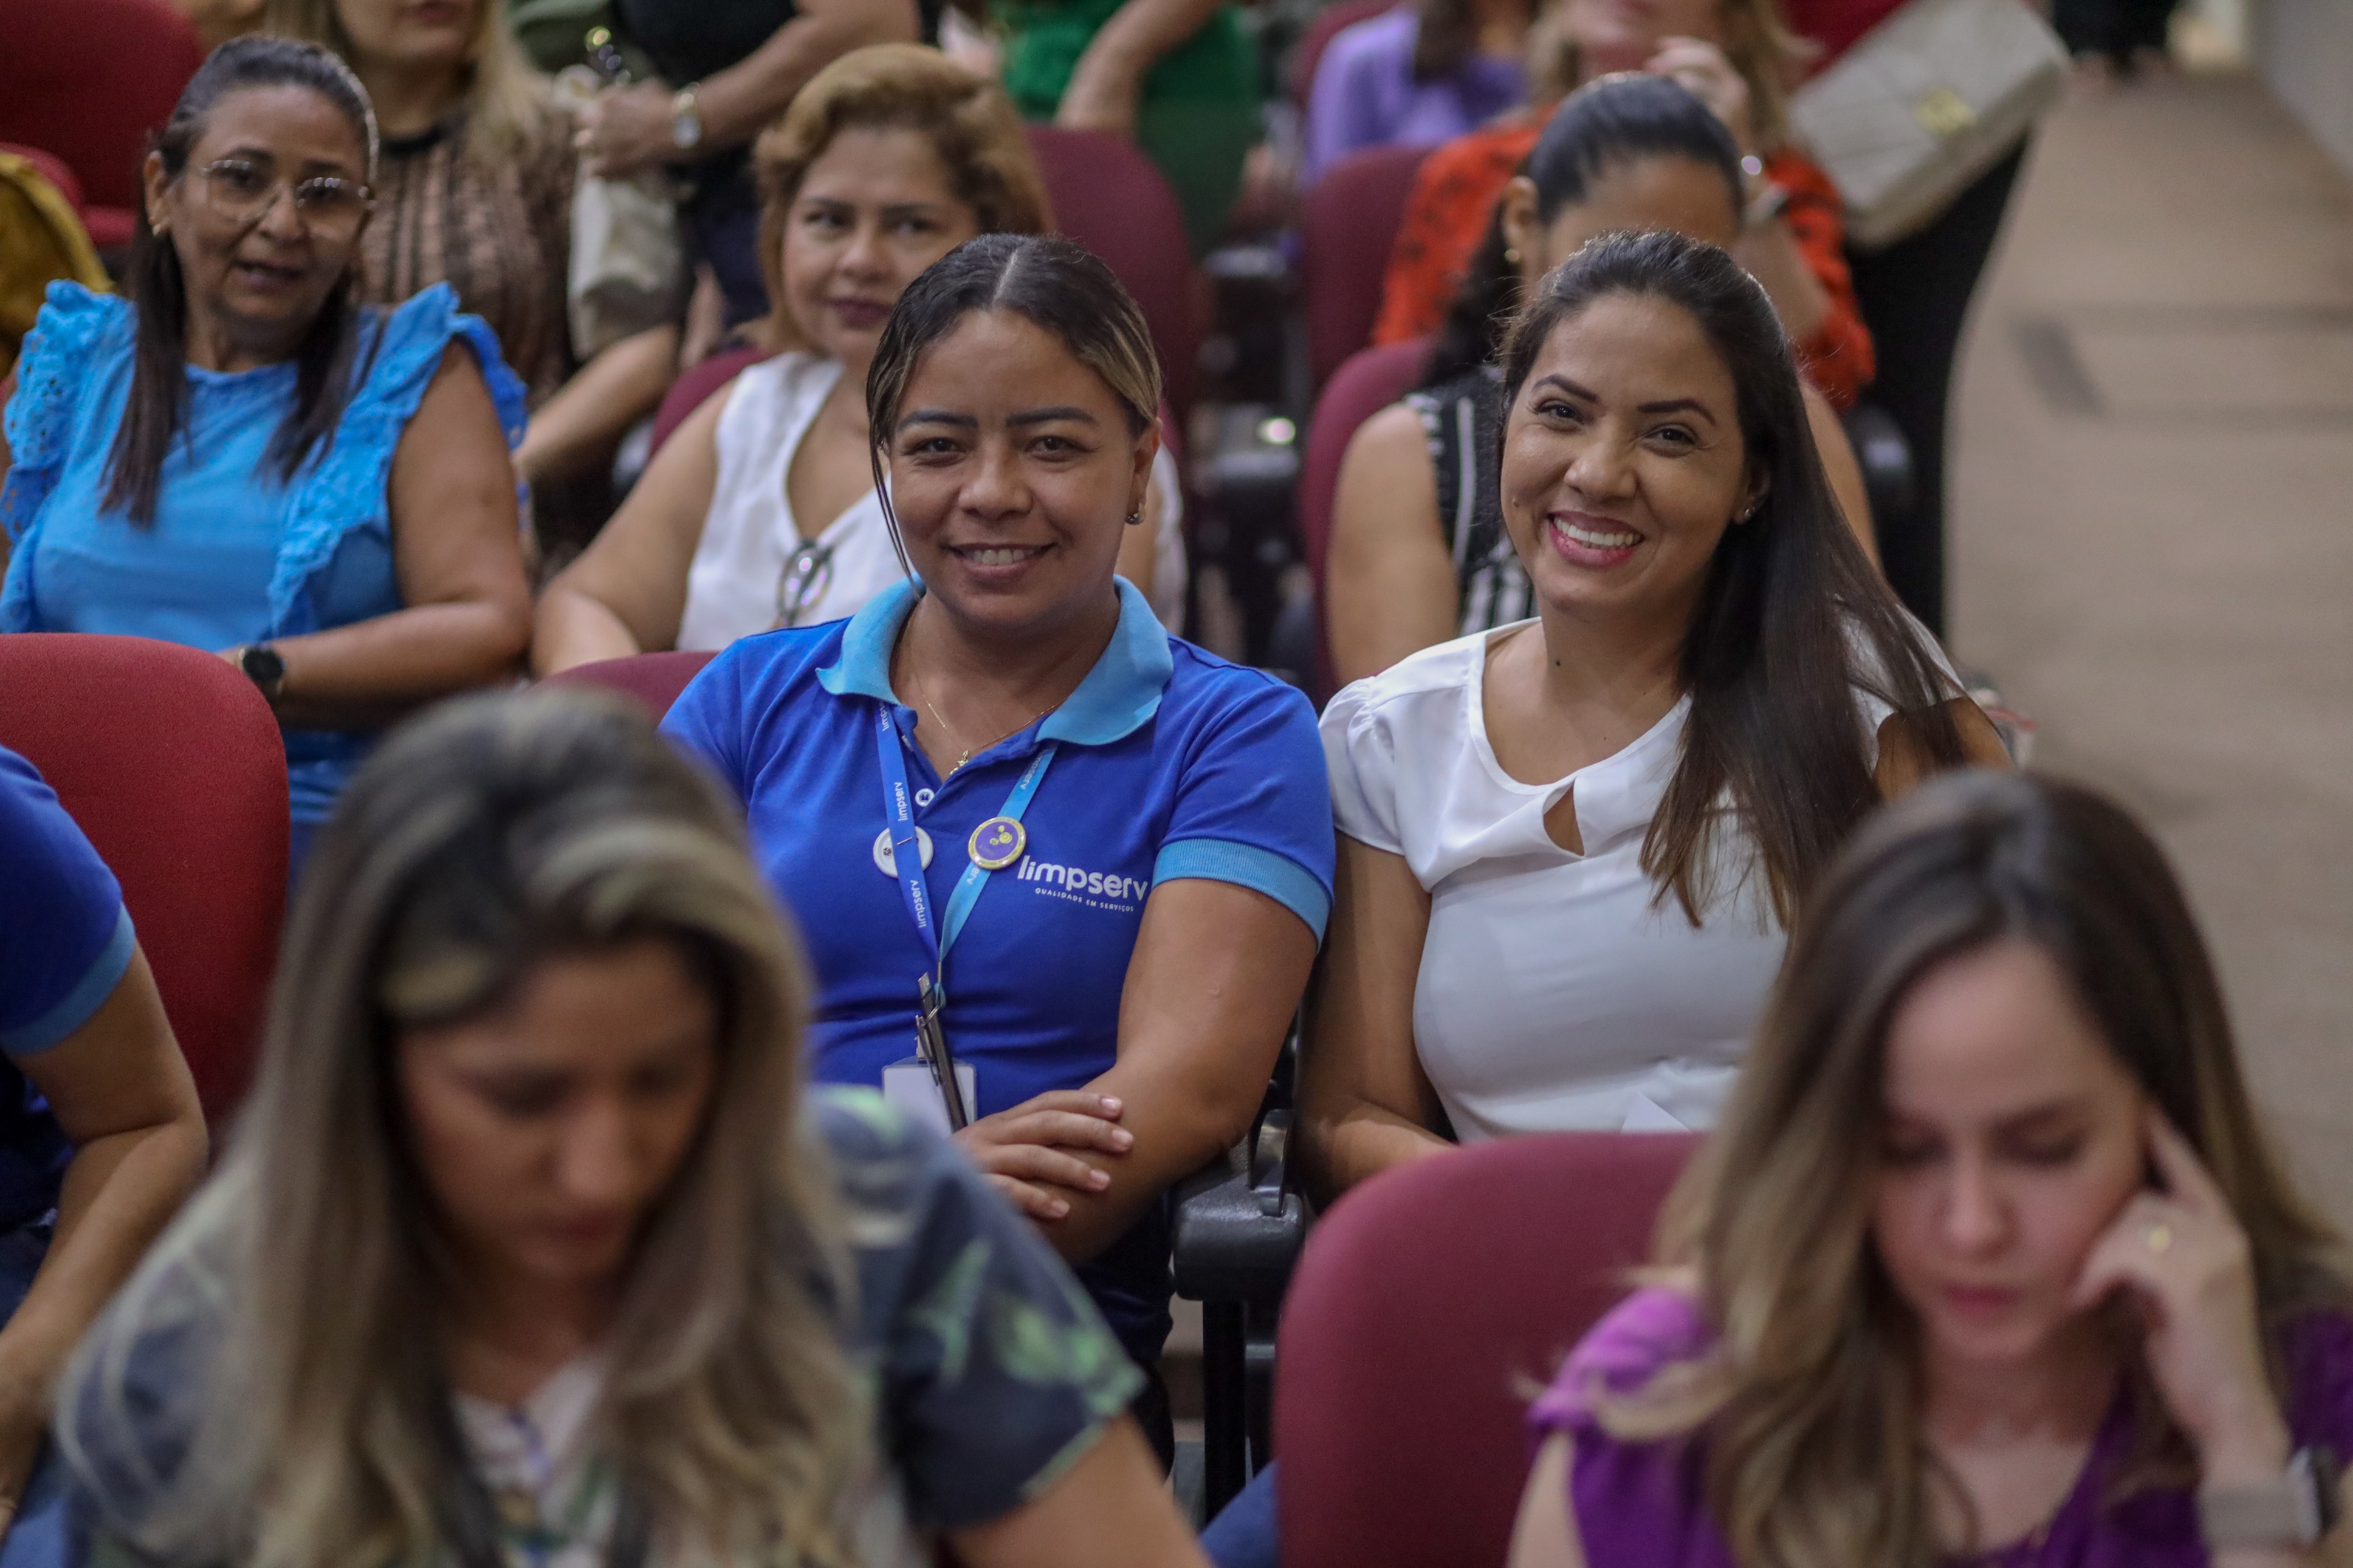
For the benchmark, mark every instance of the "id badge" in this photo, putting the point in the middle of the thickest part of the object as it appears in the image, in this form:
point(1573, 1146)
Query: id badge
point(909, 1086)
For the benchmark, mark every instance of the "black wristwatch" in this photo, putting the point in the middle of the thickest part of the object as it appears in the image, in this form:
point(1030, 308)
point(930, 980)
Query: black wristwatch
point(265, 666)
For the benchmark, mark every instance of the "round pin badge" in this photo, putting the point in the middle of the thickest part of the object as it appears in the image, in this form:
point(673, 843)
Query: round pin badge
point(886, 861)
point(997, 843)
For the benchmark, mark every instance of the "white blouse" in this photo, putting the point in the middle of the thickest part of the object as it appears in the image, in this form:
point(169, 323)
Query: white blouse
point(1557, 990)
point(750, 535)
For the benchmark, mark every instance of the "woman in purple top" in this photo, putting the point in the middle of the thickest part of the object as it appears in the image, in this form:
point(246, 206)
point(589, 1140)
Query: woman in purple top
point(1988, 1261)
point(1420, 74)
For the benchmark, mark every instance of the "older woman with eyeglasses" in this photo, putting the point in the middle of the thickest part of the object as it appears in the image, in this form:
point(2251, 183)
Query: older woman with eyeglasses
point(238, 458)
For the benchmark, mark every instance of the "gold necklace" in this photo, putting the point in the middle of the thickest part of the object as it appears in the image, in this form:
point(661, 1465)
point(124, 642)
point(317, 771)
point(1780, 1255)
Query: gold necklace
point(949, 731)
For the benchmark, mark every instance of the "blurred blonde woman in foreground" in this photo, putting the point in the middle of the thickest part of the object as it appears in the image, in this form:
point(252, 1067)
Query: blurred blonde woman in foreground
point(534, 1249)
point(1988, 1261)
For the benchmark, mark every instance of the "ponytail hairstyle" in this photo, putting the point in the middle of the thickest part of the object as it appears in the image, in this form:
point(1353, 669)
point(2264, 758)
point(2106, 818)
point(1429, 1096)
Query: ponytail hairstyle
point(158, 404)
point(1598, 130)
point(1055, 284)
point(1792, 618)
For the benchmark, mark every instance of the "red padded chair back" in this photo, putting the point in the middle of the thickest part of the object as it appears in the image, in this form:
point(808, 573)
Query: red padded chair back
point(1309, 52)
point(172, 764)
point(653, 679)
point(1427, 1302)
point(691, 390)
point(1108, 196)
point(1349, 224)
point(90, 80)
point(1367, 382)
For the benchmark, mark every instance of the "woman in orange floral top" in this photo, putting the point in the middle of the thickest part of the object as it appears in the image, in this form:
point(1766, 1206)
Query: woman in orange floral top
point(1734, 56)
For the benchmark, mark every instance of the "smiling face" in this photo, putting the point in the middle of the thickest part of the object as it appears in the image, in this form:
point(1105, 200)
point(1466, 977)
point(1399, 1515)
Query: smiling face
point(1669, 194)
point(1013, 469)
point(875, 208)
point(1623, 463)
point(2012, 1138)
point(546, 1129)
point(411, 35)
point(257, 279)
point(1623, 35)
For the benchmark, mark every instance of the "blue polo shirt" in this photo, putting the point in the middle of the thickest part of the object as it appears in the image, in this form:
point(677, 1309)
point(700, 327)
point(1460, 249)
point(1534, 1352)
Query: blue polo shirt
point(1171, 764)
point(65, 941)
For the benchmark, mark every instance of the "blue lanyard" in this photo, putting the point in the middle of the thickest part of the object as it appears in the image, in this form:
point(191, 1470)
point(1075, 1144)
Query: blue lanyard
point(898, 805)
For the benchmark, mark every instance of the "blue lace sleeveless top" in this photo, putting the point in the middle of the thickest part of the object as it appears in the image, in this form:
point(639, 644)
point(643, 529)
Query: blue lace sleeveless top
point(235, 555)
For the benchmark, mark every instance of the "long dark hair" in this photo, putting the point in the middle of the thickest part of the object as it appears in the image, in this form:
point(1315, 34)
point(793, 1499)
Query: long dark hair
point(1792, 618)
point(1060, 286)
point(1597, 129)
point(1811, 1402)
point(157, 409)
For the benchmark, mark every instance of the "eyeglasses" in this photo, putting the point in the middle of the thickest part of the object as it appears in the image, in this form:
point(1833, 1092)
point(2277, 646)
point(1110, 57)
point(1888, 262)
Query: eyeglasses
point(327, 204)
point(808, 572)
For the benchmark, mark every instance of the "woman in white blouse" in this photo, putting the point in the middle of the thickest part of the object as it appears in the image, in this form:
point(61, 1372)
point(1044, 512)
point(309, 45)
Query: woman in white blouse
point(760, 511)
point(1570, 847)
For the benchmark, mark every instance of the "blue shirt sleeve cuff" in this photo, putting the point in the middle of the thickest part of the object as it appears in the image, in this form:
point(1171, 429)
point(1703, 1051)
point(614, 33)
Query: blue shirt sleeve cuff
point(89, 993)
point(1283, 879)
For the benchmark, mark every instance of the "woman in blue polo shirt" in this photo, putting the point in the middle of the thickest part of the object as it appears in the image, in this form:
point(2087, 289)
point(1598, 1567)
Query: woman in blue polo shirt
point(1125, 843)
point(100, 1135)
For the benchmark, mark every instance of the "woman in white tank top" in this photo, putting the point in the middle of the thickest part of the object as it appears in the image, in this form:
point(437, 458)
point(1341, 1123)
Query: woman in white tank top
point(760, 511)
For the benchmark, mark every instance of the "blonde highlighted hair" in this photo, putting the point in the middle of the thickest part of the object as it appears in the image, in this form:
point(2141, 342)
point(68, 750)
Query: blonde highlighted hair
point(969, 121)
point(1810, 1401)
point(491, 833)
point(508, 110)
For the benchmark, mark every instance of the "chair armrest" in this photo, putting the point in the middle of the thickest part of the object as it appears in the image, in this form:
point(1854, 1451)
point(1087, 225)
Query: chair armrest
point(1238, 1223)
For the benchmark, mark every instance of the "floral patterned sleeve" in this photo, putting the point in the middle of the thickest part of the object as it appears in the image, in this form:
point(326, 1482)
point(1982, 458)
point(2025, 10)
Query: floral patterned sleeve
point(995, 1372)
point(1446, 216)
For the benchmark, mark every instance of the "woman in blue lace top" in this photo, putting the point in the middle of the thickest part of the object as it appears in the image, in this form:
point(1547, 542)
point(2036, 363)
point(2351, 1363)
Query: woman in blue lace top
point(238, 458)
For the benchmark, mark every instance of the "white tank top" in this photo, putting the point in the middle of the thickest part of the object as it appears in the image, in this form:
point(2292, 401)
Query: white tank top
point(750, 537)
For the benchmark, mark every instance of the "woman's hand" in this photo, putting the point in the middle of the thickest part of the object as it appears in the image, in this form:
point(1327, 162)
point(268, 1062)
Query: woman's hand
point(625, 130)
point(1707, 75)
point(1029, 1152)
point(2188, 1269)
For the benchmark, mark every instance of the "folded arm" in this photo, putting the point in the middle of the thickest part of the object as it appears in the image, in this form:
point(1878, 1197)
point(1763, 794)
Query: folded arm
point(1210, 993)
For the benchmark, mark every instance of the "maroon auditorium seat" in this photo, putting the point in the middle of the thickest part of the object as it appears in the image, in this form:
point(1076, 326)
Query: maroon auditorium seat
point(653, 679)
point(695, 386)
point(1428, 1301)
point(172, 764)
point(1349, 224)
point(1109, 197)
point(90, 80)
point(1369, 382)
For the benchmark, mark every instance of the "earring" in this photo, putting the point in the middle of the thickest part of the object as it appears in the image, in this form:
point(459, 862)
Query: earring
point(1134, 518)
point(1512, 254)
